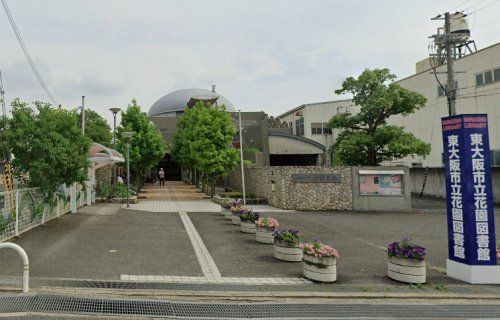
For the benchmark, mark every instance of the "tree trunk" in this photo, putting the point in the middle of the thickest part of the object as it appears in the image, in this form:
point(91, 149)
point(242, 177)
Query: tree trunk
point(212, 191)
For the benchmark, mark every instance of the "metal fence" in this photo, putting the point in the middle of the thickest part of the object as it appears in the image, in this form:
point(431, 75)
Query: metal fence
point(29, 210)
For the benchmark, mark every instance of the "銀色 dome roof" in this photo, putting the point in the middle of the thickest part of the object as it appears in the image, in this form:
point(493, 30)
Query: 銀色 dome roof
point(177, 101)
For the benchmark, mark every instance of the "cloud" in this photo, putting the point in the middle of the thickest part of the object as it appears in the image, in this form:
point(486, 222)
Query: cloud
point(263, 55)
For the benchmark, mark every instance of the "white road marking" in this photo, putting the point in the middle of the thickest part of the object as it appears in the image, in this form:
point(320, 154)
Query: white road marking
point(205, 260)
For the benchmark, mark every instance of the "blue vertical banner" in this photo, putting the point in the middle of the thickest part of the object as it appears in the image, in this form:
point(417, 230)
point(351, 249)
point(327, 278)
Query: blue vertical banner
point(471, 227)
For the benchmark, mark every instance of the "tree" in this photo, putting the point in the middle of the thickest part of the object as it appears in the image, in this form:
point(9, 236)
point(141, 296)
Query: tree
point(366, 138)
point(47, 145)
point(96, 127)
point(147, 147)
point(203, 141)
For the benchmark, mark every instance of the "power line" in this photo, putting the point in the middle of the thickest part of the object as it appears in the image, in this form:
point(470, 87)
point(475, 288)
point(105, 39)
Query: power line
point(460, 5)
point(474, 5)
point(486, 6)
point(26, 52)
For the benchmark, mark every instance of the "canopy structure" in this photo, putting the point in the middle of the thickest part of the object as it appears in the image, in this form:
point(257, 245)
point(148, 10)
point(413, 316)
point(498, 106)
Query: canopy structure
point(99, 156)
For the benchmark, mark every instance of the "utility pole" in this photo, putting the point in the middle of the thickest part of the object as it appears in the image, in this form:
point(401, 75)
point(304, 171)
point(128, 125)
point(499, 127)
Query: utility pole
point(2, 96)
point(83, 114)
point(450, 57)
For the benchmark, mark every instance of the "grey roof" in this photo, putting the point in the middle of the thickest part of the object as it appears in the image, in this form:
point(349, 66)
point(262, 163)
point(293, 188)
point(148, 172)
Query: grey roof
point(177, 101)
point(293, 136)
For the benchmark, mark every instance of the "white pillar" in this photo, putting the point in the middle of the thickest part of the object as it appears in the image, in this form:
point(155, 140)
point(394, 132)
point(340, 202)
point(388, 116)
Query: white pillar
point(72, 201)
point(92, 179)
point(16, 226)
point(89, 186)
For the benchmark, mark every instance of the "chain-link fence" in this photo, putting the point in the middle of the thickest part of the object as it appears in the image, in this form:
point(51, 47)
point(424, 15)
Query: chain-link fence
point(30, 210)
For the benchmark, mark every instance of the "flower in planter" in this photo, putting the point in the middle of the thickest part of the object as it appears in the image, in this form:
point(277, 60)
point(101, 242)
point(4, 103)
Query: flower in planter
point(235, 204)
point(268, 223)
point(247, 215)
point(290, 235)
point(318, 249)
point(498, 251)
point(226, 203)
point(406, 249)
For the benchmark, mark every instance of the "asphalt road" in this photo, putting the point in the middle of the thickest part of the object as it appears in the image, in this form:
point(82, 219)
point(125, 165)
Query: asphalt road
point(103, 242)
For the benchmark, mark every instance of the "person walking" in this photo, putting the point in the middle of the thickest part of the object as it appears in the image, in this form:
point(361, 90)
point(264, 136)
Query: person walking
point(161, 174)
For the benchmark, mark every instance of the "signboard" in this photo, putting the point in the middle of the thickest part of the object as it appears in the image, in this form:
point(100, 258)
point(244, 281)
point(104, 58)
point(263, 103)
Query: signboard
point(381, 184)
point(471, 228)
point(316, 178)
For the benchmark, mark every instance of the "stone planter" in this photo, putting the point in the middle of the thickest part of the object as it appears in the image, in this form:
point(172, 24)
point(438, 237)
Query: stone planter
point(228, 215)
point(264, 235)
point(248, 227)
point(319, 269)
point(406, 270)
point(287, 251)
point(223, 211)
point(235, 219)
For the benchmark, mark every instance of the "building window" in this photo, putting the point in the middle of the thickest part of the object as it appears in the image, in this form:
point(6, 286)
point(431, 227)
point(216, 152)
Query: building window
point(495, 158)
point(316, 128)
point(442, 93)
point(479, 79)
point(299, 127)
point(488, 77)
point(320, 128)
point(497, 74)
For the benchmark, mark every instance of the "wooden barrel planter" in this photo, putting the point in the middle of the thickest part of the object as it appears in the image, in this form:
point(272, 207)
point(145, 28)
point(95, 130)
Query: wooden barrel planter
point(320, 269)
point(229, 214)
point(248, 227)
point(406, 270)
point(235, 219)
point(223, 211)
point(287, 251)
point(264, 235)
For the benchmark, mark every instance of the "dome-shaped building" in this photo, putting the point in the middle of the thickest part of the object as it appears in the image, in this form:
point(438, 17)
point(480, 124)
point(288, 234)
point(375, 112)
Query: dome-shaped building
point(165, 113)
point(177, 101)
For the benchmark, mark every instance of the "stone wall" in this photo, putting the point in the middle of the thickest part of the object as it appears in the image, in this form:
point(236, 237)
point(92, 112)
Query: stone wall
point(276, 185)
point(104, 174)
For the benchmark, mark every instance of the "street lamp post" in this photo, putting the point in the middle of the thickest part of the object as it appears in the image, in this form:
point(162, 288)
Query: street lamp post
point(114, 111)
point(127, 135)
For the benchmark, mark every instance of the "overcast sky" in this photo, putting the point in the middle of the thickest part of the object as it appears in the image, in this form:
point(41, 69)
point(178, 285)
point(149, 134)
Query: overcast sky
point(262, 55)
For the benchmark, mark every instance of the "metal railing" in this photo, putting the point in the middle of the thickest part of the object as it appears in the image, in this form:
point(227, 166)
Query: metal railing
point(30, 211)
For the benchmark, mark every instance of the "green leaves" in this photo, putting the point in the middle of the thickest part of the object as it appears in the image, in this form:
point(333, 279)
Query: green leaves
point(366, 138)
point(47, 145)
point(147, 147)
point(203, 140)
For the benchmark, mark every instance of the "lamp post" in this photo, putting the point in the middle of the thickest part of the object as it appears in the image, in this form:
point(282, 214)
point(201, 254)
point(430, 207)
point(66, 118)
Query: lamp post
point(114, 111)
point(127, 135)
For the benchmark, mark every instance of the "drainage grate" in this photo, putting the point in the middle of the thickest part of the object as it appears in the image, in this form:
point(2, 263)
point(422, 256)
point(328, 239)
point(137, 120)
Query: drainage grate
point(155, 308)
point(196, 310)
point(15, 304)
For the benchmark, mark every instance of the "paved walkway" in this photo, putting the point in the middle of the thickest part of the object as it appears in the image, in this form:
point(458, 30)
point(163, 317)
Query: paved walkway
point(175, 206)
point(172, 190)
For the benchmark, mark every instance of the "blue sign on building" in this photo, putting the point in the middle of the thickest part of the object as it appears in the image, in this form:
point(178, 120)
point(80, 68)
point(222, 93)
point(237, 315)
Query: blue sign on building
point(471, 227)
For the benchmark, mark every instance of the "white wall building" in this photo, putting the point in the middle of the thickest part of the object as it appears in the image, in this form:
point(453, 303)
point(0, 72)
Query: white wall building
point(309, 120)
point(478, 82)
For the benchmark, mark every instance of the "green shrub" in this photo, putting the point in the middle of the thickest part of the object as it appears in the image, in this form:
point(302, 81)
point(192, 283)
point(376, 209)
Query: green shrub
point(237, 195)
